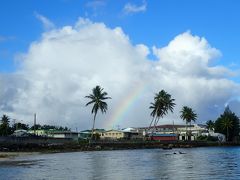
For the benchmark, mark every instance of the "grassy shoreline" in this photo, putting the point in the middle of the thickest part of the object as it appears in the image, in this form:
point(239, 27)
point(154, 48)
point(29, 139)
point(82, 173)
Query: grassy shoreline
point(6, 156)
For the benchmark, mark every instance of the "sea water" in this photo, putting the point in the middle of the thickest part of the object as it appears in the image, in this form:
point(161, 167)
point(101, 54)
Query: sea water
point(192, 163)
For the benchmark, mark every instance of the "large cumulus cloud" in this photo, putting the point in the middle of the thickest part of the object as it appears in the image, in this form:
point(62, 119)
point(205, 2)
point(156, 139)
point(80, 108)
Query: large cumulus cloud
point(64, 65)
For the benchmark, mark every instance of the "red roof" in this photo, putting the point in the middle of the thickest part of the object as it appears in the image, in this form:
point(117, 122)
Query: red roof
point(169, 126)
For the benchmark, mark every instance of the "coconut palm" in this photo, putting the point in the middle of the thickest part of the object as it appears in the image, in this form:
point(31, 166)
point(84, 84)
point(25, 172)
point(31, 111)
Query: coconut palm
point(210, 125)
point(97, 99)
point(4, 127)
point(188, 115)
point(227, 124)
point(161, 105)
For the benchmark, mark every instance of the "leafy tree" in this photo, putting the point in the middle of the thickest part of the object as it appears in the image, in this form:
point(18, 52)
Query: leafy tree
point(48, 127)
point(97, 99)
point(20, 126)
point(163, 103)
point(210, 125)
point(188, 115)
point(228, 124)
point(37, 126)
point(5, 128)
point(60, 128)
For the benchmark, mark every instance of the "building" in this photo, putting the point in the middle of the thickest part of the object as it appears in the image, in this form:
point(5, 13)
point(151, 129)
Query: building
point(39, 132)
point(133, 133)
point(164, 137)
point(191, 132)
point(64, 134)
point(86, 134)
point(113, 134)
point(163, 129)
point(20, 133)
point(182, 132)
point(221, 137)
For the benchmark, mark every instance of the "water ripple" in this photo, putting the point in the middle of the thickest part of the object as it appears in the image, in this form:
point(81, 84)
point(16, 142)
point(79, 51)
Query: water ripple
point(196, 163)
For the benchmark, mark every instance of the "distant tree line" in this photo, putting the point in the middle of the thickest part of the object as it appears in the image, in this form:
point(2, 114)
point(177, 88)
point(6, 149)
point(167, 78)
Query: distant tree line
point(227, 124)
point(6, 129)
point(49, 127)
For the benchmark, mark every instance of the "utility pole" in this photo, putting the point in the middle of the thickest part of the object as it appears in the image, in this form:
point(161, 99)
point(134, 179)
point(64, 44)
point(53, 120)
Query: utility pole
point(14, 124)
point(35, 118)
point(118, 127)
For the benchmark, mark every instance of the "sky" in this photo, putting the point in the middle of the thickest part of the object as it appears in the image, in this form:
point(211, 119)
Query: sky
point(52, 53)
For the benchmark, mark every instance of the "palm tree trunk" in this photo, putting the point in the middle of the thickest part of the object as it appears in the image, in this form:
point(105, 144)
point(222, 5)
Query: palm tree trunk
point(151, 123)
point(227, 134)
point(190, 131)
point(93, 125)
point(155, 124)
point(186, 132)
point(157, 121)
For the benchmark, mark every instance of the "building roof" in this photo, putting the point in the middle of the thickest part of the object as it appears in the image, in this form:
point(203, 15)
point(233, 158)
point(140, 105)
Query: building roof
point(129, 129)
point(63, 132)
point(20, 130)
point(90, 131)
point(202, 125)
point(114, 130)
point(168, 126)
point(163, 135)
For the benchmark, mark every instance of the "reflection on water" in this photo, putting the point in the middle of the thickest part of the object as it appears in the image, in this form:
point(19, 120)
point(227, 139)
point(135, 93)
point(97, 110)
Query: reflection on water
point(13, 163)
point(195, 163)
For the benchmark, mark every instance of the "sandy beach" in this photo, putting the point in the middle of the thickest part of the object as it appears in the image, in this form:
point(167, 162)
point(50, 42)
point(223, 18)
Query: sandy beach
point(5, 156)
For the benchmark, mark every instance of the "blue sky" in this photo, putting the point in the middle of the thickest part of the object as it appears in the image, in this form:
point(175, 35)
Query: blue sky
point(161, 21)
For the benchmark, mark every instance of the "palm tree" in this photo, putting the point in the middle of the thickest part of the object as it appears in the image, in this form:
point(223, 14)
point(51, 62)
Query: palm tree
point(4, 127)
point(210, 125)
point(227, 124)
point(188, 115)
point(97, 99)
point(161, 105)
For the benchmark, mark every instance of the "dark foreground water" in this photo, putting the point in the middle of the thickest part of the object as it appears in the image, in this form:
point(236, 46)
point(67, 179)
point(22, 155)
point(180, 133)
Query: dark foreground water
point(195, 163)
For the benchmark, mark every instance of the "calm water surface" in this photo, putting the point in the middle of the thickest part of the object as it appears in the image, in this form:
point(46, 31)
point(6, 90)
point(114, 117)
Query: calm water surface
point(195, 163)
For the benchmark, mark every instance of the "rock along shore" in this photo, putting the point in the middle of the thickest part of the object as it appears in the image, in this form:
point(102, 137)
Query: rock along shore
point(103, 145)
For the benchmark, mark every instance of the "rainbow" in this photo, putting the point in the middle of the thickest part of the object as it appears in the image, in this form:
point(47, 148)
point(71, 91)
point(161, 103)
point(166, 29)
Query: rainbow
point(235, 98)
point(124, 106)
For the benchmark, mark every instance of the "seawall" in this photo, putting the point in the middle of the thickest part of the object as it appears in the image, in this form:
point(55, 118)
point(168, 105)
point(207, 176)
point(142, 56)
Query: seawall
point(41, 144)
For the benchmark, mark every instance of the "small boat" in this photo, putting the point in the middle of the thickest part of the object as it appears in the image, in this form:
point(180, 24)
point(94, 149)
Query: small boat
point(181, 152)
point(167, 148)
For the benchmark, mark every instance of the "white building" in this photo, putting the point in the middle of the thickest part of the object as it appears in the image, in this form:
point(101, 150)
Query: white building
point(20, 133)
point(191, 132)
point(64, 134)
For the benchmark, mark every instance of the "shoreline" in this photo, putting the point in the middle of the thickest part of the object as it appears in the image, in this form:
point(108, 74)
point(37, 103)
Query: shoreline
point(8, 156)
point(11, 150)
point(11, 154)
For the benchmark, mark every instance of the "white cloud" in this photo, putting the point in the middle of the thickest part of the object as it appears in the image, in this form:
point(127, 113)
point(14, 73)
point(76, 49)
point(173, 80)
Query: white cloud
point(6, 38)
point(2, 38)
point(96, 3)
point(66, 63)
point(47, 24)
point(133, 8)
point(95, 8)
